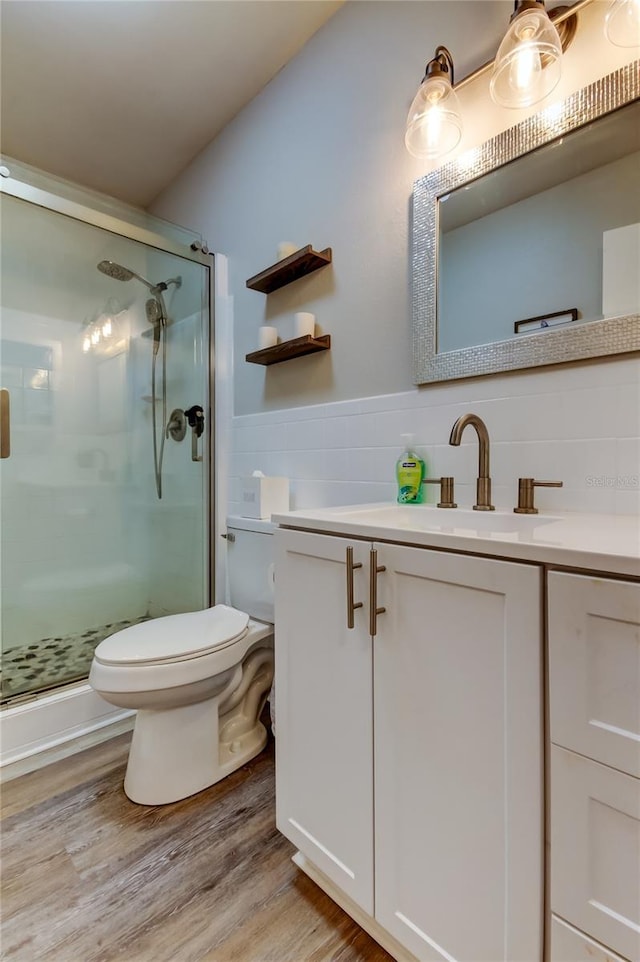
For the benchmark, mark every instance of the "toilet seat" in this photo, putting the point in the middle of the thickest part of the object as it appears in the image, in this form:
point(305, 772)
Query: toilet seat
point(174, 638)
point(141, 676)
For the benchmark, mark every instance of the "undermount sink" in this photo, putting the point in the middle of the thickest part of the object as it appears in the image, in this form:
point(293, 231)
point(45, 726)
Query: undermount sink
point(429, 518)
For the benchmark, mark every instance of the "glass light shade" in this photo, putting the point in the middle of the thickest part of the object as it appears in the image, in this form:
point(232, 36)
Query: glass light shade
point(529, 61)
point(434, 124)
point(622, 23)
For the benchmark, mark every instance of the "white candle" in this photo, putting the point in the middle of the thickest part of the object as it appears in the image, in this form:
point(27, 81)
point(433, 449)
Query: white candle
point(305, 323)
point(268, 336)
point(285, 249)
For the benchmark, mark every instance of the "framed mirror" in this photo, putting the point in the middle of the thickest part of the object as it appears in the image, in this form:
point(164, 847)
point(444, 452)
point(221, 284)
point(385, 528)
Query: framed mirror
point(526, 250)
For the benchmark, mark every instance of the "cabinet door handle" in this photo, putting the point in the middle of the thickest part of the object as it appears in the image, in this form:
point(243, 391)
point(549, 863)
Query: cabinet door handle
point(374, 611)
point(5, 425)
point(351, 604)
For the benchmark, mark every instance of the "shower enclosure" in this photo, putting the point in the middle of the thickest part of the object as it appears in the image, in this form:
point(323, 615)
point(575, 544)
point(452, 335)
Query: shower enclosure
point(104, 478)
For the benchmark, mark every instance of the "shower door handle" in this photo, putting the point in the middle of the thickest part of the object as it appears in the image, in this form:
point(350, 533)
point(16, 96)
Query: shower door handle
point(194, 446)
point(195, 417)
point(5, 424)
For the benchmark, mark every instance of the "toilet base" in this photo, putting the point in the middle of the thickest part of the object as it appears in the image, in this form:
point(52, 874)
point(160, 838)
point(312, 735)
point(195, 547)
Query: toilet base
point(177, 752)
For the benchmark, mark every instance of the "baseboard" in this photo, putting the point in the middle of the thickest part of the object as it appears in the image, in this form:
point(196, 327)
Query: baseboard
point(53, 726)
point(380, 935)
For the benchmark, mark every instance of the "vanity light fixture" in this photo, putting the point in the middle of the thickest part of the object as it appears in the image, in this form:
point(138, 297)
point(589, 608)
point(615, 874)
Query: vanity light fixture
point(528, 64)
point(525, 70)
point(434, 124)
point(622, 23)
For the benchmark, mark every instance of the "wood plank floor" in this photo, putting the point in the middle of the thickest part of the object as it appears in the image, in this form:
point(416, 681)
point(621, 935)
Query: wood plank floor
point(87, 876)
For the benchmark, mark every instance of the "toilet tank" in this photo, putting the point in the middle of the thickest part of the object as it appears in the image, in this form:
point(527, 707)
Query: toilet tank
point(250, 566)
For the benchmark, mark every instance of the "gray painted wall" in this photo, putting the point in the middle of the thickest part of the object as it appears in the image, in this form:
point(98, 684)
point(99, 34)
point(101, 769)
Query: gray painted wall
point(318, 157)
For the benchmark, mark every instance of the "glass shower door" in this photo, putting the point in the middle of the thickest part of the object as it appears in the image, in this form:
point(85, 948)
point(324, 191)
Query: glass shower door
point(101, 526)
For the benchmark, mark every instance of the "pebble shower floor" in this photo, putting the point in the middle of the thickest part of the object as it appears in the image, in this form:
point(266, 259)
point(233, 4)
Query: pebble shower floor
point(51, 662)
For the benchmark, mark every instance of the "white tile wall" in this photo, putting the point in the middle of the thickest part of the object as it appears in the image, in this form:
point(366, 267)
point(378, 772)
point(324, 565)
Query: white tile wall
point(85, 542)
point(578, 424)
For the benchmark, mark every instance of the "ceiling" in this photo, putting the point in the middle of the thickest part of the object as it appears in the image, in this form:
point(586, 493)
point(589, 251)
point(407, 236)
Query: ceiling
point(120, 95)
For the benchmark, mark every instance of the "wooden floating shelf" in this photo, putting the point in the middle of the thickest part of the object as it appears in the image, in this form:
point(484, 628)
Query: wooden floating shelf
point(302, 262)
point(298, 347)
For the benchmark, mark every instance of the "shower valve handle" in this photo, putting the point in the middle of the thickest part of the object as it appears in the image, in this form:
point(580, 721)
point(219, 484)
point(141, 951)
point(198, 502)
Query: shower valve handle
point(195, 417)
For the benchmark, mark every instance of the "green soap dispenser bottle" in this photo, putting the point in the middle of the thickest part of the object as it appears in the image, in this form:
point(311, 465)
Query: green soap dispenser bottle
point(410, 472)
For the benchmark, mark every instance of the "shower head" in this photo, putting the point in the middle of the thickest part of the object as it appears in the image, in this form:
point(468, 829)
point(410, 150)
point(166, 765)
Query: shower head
point(117, 271)
point(120, 273)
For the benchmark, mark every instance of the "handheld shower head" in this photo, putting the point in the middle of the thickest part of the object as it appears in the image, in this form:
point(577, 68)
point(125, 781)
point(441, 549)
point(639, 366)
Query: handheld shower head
point(153, 310)
point(156, 317)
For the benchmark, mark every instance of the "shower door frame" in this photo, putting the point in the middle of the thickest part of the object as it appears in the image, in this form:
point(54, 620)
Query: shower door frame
point(122, 228)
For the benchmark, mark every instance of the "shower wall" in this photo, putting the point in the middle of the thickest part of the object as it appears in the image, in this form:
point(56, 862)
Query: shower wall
point(175, 528)
point(64, 537)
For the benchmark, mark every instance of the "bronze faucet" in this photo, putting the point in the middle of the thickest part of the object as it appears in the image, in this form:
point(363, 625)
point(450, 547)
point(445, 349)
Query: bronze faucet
point(483, 484)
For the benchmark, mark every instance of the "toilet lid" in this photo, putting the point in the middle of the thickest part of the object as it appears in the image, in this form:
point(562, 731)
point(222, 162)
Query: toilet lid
point(174, 637)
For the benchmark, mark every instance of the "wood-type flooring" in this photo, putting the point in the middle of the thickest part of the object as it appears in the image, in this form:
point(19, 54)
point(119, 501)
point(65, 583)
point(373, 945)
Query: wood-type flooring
point(87, 876)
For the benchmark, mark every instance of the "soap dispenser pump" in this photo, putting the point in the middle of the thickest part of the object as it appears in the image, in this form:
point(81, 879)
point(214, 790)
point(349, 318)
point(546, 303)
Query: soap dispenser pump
point(410, 473)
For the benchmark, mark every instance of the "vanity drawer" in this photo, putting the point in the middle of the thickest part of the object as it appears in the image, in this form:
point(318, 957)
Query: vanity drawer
point(595, 850)
point(594, 668)
point(570, 945)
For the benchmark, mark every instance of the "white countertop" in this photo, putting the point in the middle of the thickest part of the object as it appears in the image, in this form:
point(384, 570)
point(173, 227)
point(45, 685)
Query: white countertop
point(598, 542)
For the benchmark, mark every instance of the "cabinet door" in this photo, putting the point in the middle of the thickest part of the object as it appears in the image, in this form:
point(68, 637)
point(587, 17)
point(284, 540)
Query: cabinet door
point(595, 850)
point(570, 945)
point(458, 756)
point(594, 668)
point(324, 727)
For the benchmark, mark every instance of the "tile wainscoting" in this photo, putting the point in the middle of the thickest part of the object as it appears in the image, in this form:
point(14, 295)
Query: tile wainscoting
point(577, 424)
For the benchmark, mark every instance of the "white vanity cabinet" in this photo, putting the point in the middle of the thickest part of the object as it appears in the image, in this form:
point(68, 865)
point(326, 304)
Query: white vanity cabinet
point(594, 700)
point(417, 750)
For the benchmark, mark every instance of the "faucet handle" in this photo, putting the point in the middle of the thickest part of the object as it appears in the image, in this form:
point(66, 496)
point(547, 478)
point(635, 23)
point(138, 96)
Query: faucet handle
point(526, 492)
point(446, 491)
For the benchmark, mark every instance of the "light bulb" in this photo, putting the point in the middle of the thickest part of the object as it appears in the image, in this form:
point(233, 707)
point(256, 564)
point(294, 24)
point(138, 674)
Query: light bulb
point(86, 345)
point(434, 128)
point(433, 119)
point(107, 328)
point(525, 68)
point(95, 336)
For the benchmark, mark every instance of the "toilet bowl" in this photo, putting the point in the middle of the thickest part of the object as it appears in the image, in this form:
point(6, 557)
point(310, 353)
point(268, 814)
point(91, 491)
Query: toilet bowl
point(198, 682)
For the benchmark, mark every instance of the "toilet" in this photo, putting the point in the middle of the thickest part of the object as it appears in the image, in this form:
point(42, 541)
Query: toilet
point(198, 680)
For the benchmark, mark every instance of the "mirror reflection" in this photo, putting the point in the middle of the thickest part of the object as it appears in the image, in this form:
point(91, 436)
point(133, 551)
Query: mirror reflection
point(548, 240)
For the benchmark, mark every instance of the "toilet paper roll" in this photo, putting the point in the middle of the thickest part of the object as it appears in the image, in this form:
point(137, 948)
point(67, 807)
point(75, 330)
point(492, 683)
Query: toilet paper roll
point(305, 323)
point(267, 336)
point(286, 249)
